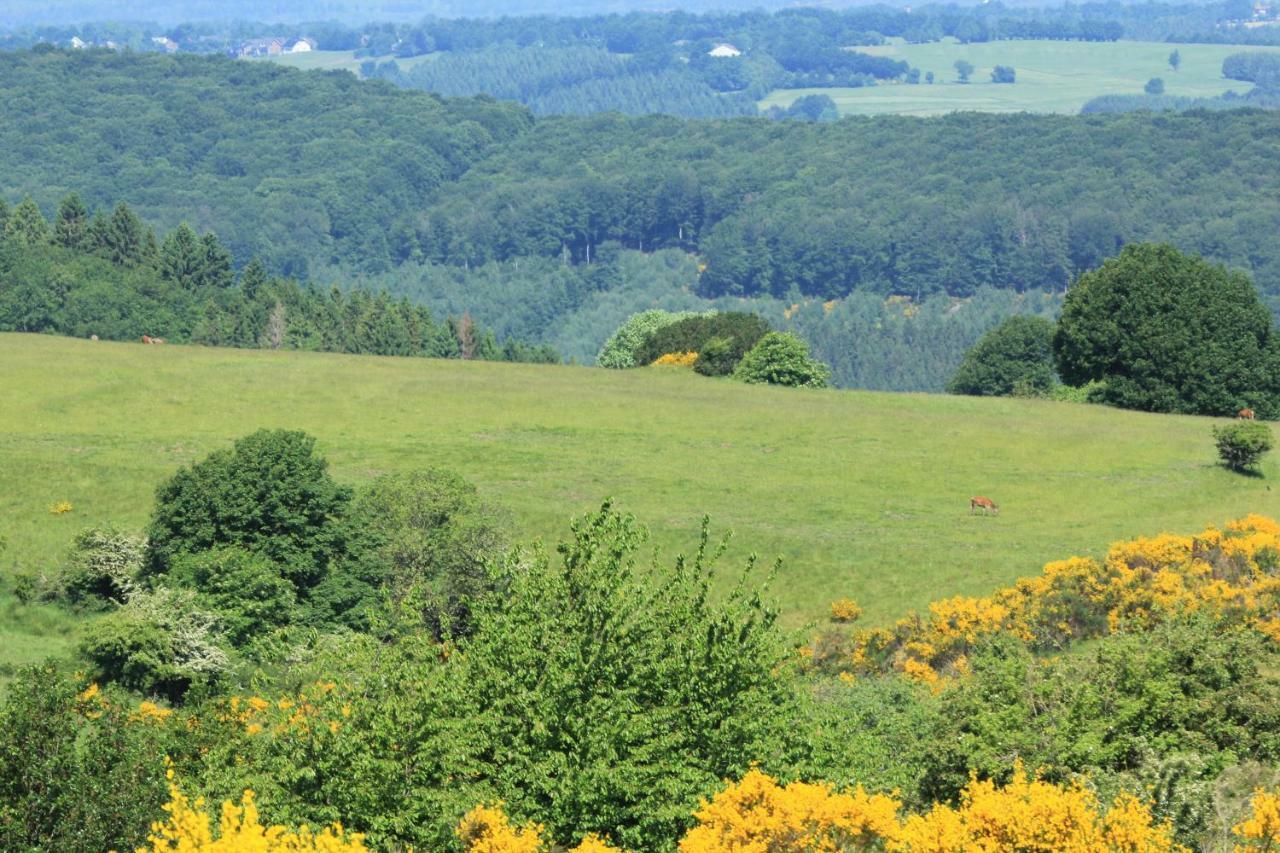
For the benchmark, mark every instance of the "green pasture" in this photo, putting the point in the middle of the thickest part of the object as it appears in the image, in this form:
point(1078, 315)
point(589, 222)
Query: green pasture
point(1052, 76)
point(862, 494)
point(338, 60)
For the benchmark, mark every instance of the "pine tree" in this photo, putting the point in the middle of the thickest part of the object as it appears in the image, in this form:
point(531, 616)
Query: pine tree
point(71, 228)
point(28, 224)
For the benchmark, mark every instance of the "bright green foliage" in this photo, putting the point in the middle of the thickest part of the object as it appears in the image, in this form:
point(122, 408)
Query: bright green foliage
point(1179, 689)
point(244, 589)
point(619, 351)
point(1014, 357)
point(423, 535)
point(738, 332)
point(271, 494)
point(781, 358)
point(1241, 445)
point(75, 772)
point(1169, 332)
point(596, 693)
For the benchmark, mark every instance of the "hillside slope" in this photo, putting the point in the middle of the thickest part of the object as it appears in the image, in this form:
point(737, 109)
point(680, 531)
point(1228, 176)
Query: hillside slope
point(862, 494)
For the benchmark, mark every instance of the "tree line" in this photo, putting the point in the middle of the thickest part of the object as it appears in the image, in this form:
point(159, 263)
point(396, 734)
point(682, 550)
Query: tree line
point(108, 276)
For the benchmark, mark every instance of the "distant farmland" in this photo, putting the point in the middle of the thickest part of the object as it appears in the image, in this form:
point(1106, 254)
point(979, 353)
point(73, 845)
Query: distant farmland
point(1052, 76)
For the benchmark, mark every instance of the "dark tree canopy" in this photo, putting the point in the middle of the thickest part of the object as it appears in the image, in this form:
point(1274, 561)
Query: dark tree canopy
point(1014, 357)
point(270, 494)
point(1170, 332)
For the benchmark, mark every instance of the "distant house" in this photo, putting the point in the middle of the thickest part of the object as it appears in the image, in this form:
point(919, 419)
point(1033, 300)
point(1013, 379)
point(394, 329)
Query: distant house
point(302, 45)
point(78, 43)
point(262, 47)
point(168, 44)
point(725, 49)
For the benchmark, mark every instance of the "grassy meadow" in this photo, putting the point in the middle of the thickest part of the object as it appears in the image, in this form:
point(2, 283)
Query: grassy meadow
point(862, 494)
point(1052, 76)
point(339, 60)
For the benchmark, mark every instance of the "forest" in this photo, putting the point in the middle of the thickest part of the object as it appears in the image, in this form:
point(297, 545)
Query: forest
point(107, 276)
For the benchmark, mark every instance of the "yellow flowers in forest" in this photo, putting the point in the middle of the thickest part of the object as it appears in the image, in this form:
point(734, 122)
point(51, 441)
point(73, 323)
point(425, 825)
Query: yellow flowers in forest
point(188, 830)
point(1233, 574)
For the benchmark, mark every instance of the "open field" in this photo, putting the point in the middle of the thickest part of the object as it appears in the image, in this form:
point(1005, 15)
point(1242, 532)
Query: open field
point(1052, 76)
point(338, 60)
point(862, 494)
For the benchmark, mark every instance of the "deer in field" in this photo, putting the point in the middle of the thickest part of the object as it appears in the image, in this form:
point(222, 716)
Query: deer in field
point(987, 506)
point(1245, 414)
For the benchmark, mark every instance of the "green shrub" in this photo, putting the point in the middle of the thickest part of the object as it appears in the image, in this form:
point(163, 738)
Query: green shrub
point(1090, 392)
point(780, 358)
point(619, 351)
point(741, 331)
point(421, 534)
point(1013, 359)
point(161, 643)
point(76, 773)
point(270, 494)
point(245, 590)
point(717, 358)
point(1242, 444)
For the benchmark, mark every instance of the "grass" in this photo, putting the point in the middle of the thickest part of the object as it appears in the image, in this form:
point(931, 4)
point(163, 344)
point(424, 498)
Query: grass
point(1052, 76)
point(338, 60)
point(862, 494)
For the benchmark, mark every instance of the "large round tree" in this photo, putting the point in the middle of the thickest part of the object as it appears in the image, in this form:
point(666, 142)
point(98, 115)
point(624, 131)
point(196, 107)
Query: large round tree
point(1169, 332)
point(1016, 356)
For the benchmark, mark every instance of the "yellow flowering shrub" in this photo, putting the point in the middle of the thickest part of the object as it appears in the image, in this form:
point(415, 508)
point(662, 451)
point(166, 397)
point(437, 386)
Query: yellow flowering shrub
point(677, 359)
point(1261, 830)
point(845, 610)
point(189, 829)
point(758, 814)
point(1233, 573)
point(486, 829)
point(61, 508)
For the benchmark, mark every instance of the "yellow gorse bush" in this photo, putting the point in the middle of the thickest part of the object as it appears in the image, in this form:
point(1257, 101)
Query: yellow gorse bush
point(1261, 830)
point(1233, 573)
point(189, 829)
point(677, 359)
point(486, 829)
point(61, 508)
point(845, 610)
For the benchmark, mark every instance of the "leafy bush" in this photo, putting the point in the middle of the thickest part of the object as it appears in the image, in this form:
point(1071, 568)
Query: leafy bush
point(620, 350)
point(1170, 332)
point(103, 567)
point(1242, 444)
point(425, 535)
point(245, 590)
point(740, 331)
point(271, 494)
point(1014, 358)
point(76, 773)
point(161, 643)
point(781, 358)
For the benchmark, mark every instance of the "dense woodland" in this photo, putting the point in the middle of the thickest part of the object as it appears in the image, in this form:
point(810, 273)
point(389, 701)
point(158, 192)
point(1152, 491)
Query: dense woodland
point(109, 277)
point(555, 230)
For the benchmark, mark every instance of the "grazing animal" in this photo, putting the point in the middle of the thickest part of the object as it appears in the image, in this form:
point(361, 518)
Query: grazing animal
point(157, 340)
point(985, 504)
point(146, 339)
point(1245, 414)
point(93, 337)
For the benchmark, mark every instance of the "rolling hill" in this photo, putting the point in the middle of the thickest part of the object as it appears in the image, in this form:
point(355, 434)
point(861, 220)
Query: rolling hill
point(861, 494)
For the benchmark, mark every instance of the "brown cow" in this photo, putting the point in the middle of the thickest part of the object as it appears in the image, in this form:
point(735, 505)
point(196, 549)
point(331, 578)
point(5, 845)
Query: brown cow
point(146, 339)
point(985, 504)
point(1245, 414)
